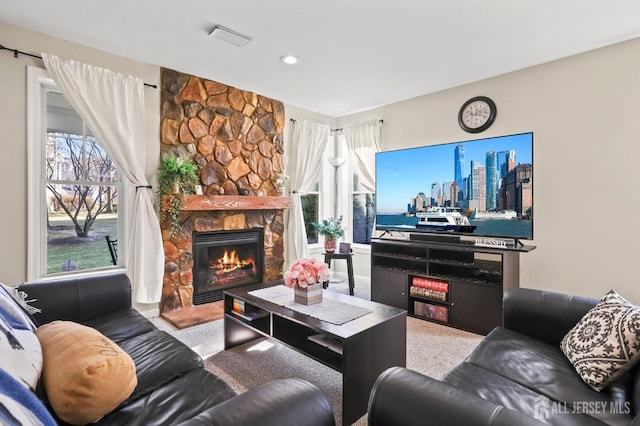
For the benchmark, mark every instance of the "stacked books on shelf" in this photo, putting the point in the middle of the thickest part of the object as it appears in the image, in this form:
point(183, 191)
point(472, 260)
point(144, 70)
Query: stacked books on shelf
point(239, 310)
point(427, 287)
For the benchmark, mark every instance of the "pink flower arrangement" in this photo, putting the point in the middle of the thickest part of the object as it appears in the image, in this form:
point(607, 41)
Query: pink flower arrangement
point(304, 272)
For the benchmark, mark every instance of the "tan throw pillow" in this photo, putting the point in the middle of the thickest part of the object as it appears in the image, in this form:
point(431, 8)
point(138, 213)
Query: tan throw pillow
point(605, 342)
point(85, 374)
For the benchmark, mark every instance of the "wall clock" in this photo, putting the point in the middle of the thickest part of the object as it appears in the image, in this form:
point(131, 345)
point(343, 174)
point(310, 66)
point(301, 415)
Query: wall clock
point(477, 114)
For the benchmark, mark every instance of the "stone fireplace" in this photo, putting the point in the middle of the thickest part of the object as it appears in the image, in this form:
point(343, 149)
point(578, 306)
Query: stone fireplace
point(235, 138)
point(205, 214)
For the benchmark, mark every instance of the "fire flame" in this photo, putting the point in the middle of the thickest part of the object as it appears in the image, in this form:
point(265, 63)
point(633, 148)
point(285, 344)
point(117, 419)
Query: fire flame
point(230, 261)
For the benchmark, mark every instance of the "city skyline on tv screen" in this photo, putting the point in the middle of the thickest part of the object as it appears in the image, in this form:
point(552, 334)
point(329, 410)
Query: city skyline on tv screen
point(471, 175)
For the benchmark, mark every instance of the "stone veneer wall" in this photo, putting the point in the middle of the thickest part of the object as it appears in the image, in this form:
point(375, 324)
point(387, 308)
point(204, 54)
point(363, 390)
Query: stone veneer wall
point(236, 139)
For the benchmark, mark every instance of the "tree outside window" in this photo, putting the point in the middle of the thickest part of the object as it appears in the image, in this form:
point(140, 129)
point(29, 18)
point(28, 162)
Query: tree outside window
point(81, 191)
point(310, 209)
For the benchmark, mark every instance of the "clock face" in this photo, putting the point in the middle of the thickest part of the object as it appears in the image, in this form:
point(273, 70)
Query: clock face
point(477, 114)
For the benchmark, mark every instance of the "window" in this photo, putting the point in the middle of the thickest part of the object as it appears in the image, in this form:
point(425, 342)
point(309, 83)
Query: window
point(315, 204)
point(363, 212)
point(361, 201)
point(310, 210)
point(74, 188)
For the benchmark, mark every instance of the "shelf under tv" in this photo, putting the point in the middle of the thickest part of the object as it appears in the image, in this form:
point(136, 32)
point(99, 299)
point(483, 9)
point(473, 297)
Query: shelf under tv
point(476, 278)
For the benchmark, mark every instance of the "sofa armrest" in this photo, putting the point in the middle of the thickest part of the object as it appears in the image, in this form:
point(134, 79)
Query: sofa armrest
point(283, 402)
point(79, 298)
point(404, 397)
point(543, 315)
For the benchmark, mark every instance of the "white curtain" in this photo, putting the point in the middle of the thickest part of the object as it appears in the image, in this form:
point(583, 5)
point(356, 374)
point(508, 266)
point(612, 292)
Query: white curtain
point(112, 106)
point(308, 141)
point(363, 141)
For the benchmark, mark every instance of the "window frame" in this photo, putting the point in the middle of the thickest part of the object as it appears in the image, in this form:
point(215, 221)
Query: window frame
point(38, 83)
point(325, 200)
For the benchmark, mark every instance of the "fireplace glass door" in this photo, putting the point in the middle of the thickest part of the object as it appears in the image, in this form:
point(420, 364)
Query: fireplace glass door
point(226, 259)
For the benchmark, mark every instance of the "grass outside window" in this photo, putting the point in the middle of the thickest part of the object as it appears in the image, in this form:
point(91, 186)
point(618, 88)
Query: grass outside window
point(87, 253)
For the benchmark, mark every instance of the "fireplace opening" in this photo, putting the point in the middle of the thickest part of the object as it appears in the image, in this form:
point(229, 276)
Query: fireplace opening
point(226, 259)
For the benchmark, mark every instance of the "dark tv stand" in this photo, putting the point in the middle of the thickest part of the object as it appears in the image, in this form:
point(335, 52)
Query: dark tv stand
point(457, 284)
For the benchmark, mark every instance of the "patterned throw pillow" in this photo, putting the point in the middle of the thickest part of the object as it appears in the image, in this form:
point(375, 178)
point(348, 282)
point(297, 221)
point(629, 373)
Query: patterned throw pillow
point(20, 351)
point(20, 406)
point(16, 306)
point(606, 341)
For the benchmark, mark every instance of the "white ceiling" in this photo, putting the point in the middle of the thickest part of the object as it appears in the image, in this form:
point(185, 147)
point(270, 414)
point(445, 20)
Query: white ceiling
point(355, 54)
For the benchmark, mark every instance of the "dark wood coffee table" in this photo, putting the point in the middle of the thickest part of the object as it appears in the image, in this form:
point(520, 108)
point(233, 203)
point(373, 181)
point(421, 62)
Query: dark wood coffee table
point(360, 349)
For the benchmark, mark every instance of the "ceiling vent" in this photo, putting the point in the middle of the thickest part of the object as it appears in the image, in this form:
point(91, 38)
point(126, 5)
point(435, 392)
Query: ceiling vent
point(230, 36)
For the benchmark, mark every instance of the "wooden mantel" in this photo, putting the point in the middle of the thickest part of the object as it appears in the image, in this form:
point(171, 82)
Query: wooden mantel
point(235, 202)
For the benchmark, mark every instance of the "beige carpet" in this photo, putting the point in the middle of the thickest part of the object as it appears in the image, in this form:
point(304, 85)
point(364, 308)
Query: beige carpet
point(432, 349)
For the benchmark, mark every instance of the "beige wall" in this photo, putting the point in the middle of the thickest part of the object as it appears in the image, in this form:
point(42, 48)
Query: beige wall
point(13, 116)
point(583, 112)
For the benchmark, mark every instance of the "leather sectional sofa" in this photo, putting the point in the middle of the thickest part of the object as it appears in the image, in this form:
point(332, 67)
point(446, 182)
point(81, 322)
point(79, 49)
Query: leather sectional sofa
point(517, 375)
point(172, 387)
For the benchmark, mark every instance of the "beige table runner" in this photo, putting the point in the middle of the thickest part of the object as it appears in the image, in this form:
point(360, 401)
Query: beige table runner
point(329, 310)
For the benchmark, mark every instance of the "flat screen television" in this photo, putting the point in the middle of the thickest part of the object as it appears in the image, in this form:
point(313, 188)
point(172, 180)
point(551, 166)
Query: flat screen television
point(482, 187)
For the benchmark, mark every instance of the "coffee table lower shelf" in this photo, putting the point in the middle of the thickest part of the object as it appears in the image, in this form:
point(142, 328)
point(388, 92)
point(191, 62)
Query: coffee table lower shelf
point(360, 349)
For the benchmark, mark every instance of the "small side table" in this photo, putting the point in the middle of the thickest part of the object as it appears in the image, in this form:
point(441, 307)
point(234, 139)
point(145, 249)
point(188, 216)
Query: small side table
point(349, 258)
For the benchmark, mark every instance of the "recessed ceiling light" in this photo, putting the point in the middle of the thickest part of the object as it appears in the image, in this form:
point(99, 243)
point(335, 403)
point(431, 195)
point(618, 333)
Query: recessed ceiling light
point(289, 59)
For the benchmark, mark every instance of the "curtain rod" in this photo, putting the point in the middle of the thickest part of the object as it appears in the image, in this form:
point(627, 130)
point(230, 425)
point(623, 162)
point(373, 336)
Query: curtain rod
point(17, 52)
point(293, 120)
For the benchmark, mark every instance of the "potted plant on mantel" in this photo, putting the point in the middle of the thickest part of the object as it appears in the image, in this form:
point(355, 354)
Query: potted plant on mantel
point(177, 176)
point(331, 229)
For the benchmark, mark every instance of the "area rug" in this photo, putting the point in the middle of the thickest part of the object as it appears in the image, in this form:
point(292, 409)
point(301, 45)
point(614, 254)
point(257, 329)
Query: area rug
point(432, 349)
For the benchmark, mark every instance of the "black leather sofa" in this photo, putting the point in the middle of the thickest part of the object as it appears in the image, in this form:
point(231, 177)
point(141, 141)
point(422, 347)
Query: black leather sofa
point(517, 375)
point(173, 386)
